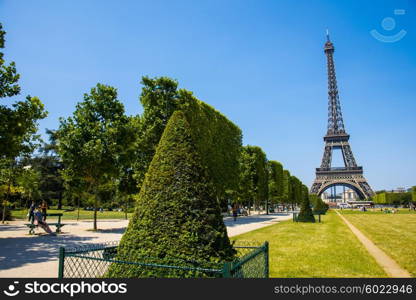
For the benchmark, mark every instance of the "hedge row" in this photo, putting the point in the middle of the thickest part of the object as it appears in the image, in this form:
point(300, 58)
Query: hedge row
point(216, 138)
point(392, 198)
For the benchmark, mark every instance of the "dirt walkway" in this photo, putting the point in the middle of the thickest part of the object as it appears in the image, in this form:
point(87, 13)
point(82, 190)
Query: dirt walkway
point(386, 262)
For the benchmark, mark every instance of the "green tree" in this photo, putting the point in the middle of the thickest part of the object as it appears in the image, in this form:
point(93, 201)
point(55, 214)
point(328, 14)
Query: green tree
point(276, 181)
point(159, 99)
point(176, 215)
point(287, 191)
point(9, 172)
point(414, 194)
point(18, 122)
point(30, 180)
point(75, 189)
point(247, 190)
point(8, 74)
point(127, 184)
point(49, 165)
point(254, 185)
point(305, 214)
point(93, 140)
point(295, 196)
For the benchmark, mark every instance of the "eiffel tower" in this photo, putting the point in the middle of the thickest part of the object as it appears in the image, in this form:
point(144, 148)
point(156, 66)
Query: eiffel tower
point(350, 175)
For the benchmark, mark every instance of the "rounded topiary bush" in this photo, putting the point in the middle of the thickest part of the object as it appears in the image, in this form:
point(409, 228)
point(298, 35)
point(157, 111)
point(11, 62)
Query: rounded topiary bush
point(177, 219)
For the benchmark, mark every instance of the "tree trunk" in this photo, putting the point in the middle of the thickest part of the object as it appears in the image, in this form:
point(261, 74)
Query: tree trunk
point(95, 211)
point(4, 212)
point(60, 200)
point(5, 201)
point(267, 207)
point(78, 208)
point(127, 206)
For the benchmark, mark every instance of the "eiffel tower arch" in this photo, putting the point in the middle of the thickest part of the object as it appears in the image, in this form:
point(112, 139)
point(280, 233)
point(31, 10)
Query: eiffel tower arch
point(350, 175)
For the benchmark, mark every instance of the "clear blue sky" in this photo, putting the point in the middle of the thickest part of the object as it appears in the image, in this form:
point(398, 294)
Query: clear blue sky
point(261, 63)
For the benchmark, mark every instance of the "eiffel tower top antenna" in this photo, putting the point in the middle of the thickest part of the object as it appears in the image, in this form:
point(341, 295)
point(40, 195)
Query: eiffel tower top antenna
point(335, 120)
point(327, 35)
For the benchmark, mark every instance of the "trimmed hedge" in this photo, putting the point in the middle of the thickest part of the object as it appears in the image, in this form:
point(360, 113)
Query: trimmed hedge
point(392, 198)
point(275, 181)
point(305, 214)
point(216, 138)
point(253, 176)
point(177, 216)
point(319, 206)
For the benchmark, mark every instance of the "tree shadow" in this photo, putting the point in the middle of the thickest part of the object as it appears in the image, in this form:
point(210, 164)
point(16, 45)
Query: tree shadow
point(245, 220)
point(112, 230)
point(18, 251)
point(6, 227)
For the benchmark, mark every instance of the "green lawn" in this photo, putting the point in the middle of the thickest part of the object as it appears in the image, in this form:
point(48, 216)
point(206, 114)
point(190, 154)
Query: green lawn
point(395, 234)
point(327, 249)
point(72, 215)
point(376, 211)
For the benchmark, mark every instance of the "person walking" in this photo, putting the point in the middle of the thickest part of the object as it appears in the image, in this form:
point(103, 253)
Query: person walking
point(31, 211)
point(235, 211)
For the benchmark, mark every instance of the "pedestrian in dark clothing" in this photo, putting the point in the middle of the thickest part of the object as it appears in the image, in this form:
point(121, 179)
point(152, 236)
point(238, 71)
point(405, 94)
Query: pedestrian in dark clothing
point(44, 208)
point(31, 212)
point(235, 211)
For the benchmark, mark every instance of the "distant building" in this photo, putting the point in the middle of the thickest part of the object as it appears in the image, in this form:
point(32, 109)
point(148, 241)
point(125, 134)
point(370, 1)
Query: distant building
point(345, 196)
point(399, 190)
point(349, 195)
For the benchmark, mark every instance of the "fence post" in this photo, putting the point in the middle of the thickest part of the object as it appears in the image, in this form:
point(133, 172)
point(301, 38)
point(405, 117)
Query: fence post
point(61, 262)
point(266, 259)
point(226, 270)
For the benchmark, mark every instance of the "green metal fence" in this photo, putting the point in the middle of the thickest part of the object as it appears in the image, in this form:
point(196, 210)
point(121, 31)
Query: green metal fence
point(93, 261)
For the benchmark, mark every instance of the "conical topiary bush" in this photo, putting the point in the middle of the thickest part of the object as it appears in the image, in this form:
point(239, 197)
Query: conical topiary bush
point(177, 219)
point(320, 206)
point(305, 214)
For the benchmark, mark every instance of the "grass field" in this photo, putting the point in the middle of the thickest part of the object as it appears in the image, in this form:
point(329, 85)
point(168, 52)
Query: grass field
point(327, 249)
point(72, 215)
point(377, 211)
point(395, 234)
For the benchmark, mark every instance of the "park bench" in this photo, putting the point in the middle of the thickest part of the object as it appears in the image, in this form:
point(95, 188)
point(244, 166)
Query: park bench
point(58, 225)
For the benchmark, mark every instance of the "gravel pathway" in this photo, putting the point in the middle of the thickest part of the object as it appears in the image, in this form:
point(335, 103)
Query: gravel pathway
point(386, 262)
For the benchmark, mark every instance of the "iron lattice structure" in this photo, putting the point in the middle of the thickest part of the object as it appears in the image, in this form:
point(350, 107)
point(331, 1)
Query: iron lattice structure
point(336, 137)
